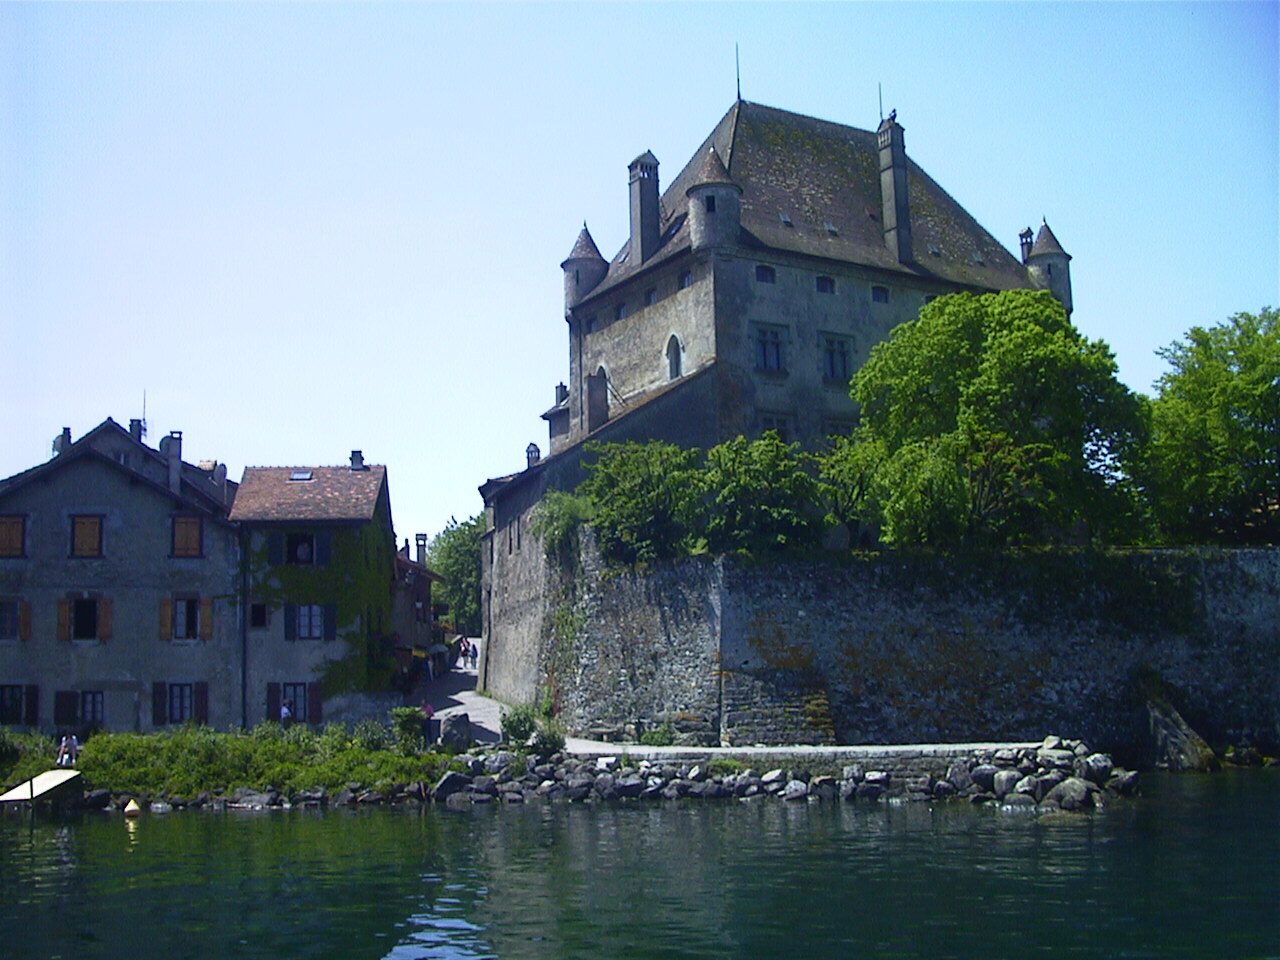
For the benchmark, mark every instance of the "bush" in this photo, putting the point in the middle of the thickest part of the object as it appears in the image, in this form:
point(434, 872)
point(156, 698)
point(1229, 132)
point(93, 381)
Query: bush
point(518, 725)
point(547, 739)
point(406, 723)
point(371, 735)
point(660, 736)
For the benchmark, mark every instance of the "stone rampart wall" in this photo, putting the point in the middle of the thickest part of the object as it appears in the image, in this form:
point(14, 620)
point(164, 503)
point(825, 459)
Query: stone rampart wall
point(911, 650)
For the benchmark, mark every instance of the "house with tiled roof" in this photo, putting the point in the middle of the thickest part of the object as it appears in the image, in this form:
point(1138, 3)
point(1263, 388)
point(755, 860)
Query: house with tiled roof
point(118, 574)
point(747, 294)
point(320, 570)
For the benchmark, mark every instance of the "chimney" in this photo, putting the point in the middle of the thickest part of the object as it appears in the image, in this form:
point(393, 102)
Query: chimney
point(357, 460)
point(62, 441)
point(562, 393)
point(220, 480)
point(171, 447)
point(644, 208)
point(1024, 238)
point(532, 454)
point(896, 213)
point(420, 541)
point(135, 430)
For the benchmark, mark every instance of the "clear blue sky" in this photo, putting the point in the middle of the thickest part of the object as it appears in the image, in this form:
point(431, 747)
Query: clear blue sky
point(304, 229)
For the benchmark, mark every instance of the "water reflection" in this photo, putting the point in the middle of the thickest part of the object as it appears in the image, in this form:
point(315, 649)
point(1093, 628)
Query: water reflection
point(759, 880)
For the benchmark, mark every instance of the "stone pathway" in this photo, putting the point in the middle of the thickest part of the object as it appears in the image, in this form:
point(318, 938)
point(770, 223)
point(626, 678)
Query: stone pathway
point(455, 692)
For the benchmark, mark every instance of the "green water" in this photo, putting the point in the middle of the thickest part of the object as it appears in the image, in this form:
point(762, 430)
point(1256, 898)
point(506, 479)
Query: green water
point(1192, 869)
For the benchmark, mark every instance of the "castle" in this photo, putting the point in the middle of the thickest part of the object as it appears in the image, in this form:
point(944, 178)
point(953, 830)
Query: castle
point(746, 296)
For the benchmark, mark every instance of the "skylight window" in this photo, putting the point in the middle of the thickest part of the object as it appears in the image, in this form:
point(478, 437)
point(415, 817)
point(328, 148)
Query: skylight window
point(934, 250)
point(300, 475)
point(785, 218)
point(831, 229)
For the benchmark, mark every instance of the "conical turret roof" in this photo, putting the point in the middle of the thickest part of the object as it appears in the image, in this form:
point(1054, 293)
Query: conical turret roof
point(711, 172)
point(1046, 242)
point(585, 248)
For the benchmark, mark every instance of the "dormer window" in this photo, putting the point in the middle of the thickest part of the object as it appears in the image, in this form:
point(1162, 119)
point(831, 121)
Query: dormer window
point(766, 274)
point(686, 280)
point(620, 311)
point(650, 297)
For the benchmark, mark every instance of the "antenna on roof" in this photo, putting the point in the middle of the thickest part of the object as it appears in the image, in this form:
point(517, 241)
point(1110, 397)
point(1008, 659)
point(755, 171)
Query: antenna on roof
point(144, 411)
point(880, 94)
point(737, 71)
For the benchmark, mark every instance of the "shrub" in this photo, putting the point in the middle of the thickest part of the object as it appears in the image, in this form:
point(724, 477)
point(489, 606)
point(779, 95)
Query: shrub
point(406, 723)
point(371, 735)
point(660, 736)
point(547, 739)
point(518, 724)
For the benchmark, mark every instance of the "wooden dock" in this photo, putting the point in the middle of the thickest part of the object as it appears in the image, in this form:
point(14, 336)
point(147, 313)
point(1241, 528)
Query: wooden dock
point(41, 787)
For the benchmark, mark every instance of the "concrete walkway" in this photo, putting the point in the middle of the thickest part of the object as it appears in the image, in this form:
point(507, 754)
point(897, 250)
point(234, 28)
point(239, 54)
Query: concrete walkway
point(455, 693)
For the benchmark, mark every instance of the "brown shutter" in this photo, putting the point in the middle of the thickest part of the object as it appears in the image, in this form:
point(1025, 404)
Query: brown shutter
point(206, 618)
point(159, 703)
point(24, 620)
point(273, 701)
point(31, 706)
point(104, 620)
point(64, 620)
point(315, 703)
point(166, 618)
point(66, 708)
point(200, 701)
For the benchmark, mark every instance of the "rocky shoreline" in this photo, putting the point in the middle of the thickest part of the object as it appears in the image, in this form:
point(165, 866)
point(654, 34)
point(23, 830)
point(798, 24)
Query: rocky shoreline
point(1055, 775)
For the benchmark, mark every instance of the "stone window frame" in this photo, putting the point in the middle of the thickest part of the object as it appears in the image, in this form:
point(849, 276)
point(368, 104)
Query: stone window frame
point(770, 344)
point(880, 293)
point(834, 360)
point(765, 273)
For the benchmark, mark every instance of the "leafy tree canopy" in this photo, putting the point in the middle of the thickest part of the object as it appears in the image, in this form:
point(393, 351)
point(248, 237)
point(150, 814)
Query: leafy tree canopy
point(1215, 450)
point(991, 419)
point(644, 499)
point(454, 553)
point(761, 497)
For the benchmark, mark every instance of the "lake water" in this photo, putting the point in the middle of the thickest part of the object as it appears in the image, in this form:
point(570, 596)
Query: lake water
point(1191, 869)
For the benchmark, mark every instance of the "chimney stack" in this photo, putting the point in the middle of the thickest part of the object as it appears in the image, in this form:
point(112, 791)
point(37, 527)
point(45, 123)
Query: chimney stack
point(357, 460)
point(644, 208)
point(562, 393)
point(532, 454)
point(62, 441)
point(171, 447)
point(896, 212)
point(135, 430)
point(420, 541)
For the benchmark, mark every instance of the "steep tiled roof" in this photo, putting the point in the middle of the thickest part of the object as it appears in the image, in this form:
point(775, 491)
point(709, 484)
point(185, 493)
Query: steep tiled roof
point(1046, 242)
point(585, 248)
point(712, 171)
point(825, 178)
point(332, 493)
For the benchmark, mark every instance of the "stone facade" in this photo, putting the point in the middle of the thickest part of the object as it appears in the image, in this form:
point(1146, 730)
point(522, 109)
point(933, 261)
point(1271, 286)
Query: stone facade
point(924, 650)
point(747, 295)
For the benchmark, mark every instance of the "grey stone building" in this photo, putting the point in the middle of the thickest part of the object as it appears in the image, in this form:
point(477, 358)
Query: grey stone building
point(746, 296)
point(118, 602)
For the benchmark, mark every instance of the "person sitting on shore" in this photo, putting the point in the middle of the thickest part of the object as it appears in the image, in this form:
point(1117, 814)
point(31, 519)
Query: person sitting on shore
point(68, 751)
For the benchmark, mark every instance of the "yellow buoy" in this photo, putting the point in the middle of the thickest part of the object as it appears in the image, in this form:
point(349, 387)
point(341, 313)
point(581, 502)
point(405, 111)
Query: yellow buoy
point(132, 809)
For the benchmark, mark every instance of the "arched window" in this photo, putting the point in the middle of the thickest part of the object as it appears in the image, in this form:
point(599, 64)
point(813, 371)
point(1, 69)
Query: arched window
point(673, 358)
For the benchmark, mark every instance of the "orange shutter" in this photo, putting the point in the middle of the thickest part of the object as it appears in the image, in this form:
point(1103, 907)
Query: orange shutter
point(206, 618)
point(166, 618)
point(11, 536)
point(104, 620)
point(24, 620)
point(64, 620)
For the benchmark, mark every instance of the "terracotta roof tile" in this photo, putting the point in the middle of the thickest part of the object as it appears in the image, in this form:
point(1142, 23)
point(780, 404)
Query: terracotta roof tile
point(332, 493)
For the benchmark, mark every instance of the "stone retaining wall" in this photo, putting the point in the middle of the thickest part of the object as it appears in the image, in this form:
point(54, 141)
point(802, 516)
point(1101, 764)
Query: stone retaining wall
point(893, 649)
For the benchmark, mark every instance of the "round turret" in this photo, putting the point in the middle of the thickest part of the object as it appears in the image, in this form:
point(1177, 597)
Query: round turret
point(1048, 264)
point(714, 213)
point(584, 268)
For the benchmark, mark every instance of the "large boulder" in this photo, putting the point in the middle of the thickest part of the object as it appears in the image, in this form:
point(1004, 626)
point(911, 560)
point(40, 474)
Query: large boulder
point(1176, 746)
point(455, 732)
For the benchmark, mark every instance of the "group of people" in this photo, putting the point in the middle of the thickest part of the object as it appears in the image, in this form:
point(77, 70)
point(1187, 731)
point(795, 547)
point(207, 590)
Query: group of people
point(68, 751)
point(467, 653)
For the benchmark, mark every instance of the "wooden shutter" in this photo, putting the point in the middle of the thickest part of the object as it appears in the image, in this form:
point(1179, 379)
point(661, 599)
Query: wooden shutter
point(64, 620)
point(206, 618)
point(66, 708)
point(291, 621)
point(315, 703)
point(324, 547)
point(200, 701)
point(166, 618)
point(104, 620)
point(24, 620)
point(186, 537)
point(31, 706)
point(330, 621)
point(159, 703)
point(275, 548)
point(273, 701)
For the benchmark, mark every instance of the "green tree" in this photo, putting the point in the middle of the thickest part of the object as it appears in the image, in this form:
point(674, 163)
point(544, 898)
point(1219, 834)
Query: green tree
point(644, 499)
point(454, 553)
point(761, 496)
point(1215, 422)
point(995, 422)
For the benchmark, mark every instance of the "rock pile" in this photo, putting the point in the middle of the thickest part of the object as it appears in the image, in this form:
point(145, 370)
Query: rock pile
point(1057, 775)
